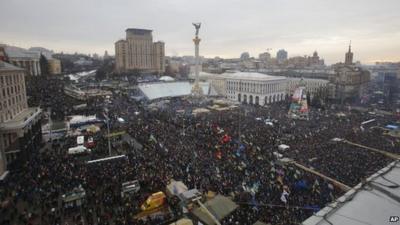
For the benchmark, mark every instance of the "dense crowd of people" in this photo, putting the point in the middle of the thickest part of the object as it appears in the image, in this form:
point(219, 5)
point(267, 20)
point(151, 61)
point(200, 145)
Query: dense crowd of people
point(233, 153)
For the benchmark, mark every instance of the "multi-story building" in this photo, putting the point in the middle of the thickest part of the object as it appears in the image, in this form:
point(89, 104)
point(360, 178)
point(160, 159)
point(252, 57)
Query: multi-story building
point(20, 129)
point(314, 60)
point(139, 52)
point(29, 60)
point(54, 66)
point(255, 88)
point(261, 89)
point(264, 57)
point(281, 56)
point(245, 56)
point(348, 81)
point(250, 88)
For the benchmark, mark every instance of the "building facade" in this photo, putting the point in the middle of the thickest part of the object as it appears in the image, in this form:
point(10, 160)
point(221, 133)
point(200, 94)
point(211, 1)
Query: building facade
point(264, 57)
point(139, 52)
point(349, 82)
point(20, 129)
point(29, 60)
point(54, 66)
point(254, 88)
point(281, 56)
point(250, 88)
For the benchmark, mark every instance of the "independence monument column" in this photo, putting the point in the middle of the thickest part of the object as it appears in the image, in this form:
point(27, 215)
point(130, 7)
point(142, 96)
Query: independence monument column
point(196, 90)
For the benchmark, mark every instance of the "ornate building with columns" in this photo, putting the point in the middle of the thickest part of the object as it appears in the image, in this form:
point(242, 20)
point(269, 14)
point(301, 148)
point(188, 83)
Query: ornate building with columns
point(250, 88)
point(29, 60)
point(260, 89)
point(255, 88)
point(20, 129)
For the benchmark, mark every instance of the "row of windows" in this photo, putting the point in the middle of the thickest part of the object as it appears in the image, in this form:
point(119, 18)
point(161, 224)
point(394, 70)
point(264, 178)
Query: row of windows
point(11, 102)
point(8, 139)
point(256, 99)
point(7, 115)
point(7, 92)
point(10, 79)
point(254, 87)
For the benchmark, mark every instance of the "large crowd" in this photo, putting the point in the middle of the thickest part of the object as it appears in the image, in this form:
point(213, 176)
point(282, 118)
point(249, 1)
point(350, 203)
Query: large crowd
point(233, 153)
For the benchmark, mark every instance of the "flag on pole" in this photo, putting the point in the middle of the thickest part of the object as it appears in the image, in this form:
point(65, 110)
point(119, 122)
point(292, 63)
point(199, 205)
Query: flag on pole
point(152, 138)
point(218, 154)
point(284, 196)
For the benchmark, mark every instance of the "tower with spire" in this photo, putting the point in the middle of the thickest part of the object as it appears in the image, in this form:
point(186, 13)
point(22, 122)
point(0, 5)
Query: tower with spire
point(349, 56)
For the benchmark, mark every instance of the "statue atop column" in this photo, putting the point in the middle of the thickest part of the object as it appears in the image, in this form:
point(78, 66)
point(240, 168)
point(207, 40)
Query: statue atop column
point(196, 90)
point(197, 27)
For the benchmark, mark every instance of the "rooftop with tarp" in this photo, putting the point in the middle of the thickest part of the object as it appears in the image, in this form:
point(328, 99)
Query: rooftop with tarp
point(372, 203)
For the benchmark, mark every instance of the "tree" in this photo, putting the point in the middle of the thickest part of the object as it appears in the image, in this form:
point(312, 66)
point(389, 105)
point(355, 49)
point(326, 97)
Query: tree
point(308, 98)
point(100, 74)
point(44, 65)
point(105, 69)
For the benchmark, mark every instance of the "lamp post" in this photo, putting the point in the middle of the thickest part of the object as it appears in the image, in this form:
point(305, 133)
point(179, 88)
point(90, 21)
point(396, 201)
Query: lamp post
point(108, 130)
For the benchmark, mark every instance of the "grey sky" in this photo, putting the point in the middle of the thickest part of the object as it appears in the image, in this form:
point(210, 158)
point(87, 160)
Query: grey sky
point(229, 27)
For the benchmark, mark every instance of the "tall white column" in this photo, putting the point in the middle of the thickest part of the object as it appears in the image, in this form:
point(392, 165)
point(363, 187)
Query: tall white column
point(33, 63)
point(196, 90)
point(39, 72)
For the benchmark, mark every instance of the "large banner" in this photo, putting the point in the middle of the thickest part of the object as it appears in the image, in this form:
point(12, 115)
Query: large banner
point(299, 107)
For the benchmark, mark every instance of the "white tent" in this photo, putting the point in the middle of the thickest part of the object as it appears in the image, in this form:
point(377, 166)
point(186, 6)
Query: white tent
point(283, 147)
point(166, 78)
point(78, 149)
point(176, 188)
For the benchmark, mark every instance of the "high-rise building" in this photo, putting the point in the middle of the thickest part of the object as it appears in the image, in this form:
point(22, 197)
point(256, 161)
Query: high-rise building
point(245, 56)
point(20, 129)
point(139, 52)
point(264, 57)
point(281, 56)
point(106, 56)
point(349, 82)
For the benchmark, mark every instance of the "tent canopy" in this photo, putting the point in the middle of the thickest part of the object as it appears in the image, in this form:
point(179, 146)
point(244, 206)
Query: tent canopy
point(219, 206)
point(176, 188)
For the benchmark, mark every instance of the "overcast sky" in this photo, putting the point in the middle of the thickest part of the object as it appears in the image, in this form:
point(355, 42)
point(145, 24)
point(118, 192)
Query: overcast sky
point(229, 27)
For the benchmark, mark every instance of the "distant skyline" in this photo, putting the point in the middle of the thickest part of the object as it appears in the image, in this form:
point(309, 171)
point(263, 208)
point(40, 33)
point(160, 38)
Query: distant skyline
point(229, 27)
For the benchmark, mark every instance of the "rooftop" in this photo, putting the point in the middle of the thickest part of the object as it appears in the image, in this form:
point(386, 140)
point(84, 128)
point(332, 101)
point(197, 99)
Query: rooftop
point(21, 119)
point(373, 203)
point(7, 67)
point(170, 89)
point(16, 52)
point(251, 76)
point(138, 31)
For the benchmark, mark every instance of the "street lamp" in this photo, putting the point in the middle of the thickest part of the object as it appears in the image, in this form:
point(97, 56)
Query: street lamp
point(108, 130)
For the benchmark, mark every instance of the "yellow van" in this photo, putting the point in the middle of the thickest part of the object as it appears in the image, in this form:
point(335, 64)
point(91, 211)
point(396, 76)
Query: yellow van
point(154, 201)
